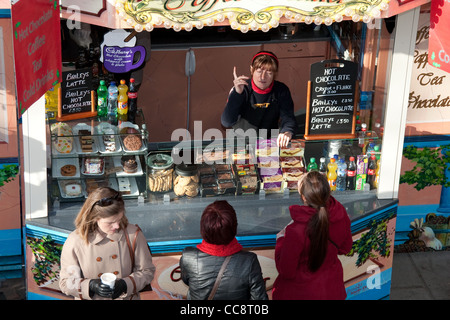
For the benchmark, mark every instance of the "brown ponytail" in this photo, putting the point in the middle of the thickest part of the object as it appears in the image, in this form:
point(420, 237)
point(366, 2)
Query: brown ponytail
point(315, 191)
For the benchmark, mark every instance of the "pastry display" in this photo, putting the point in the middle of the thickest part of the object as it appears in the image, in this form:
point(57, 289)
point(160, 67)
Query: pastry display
point(186, 181)
point(92, 184)
point(68, 170)
point(131, 138)
point(71, 188)
point(265, 148)
point(86, 140)
point(129, 164)
point(64, 137)
point(293, 174)
point(124, 185)
point(295, 148)
point(109, 140)
point(160, 177)
point(93, 165)
point(291, 162)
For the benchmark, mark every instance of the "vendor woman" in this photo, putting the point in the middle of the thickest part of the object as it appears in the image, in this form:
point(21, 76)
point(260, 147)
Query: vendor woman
point(261, 102)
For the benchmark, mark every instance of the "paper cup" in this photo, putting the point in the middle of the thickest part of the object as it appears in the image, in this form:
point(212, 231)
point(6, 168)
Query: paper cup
point(108, 279)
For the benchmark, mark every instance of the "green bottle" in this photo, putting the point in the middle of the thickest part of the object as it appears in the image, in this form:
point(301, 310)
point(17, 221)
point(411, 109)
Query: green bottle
point(312, 165)
point(102, 100)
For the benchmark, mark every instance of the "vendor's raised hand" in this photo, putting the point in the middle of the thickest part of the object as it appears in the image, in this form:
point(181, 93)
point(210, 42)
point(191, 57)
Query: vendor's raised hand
point(239, 82)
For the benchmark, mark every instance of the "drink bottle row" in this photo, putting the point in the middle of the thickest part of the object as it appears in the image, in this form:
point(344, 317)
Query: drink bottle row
point(360, 173)
point(117, 103)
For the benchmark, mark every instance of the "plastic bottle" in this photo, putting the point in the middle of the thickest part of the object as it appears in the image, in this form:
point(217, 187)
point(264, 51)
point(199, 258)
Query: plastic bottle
point(312, 164)
point(332, 174)
point(351, 174)
point(377, 176)
point(370, 148)
point(102, 100)
point(362, 135)
point(132, 101)
point(323, 166)
point(341, 180)
point(371, 171)
point(112, 102)
point(122, 101)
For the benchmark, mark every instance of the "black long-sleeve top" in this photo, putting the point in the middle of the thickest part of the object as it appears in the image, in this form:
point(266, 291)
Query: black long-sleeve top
point(279, 114)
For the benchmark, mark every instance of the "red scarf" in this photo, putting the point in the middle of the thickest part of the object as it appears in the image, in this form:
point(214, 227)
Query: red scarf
point(220, 250)
point(260, 91)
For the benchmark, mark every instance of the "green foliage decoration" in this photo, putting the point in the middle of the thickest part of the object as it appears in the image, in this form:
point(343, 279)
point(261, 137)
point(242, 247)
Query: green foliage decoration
point(374, 241)
point(430, 166)
point(8, 173)
point(47, 256)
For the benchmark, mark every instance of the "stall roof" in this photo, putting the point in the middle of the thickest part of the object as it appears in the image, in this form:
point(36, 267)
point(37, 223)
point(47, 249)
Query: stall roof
point(246, 15)
point(243, 15)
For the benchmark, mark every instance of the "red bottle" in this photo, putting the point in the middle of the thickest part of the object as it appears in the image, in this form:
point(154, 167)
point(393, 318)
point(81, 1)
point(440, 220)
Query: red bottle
point(351, 174)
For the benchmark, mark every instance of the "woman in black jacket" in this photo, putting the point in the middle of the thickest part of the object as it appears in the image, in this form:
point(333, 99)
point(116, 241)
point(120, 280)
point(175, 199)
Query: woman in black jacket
point(242, 278)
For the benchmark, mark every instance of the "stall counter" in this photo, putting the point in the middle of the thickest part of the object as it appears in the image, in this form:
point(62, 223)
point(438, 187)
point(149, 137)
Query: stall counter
point(172, 226)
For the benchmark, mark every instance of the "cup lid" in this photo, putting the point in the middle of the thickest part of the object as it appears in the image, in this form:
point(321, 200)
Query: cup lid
point(186, 170)
point(160, 161)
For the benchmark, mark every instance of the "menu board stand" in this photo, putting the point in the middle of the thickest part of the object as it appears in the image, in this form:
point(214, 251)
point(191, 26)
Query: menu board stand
point(73, 116)
point(332, 98)
point(76, 100)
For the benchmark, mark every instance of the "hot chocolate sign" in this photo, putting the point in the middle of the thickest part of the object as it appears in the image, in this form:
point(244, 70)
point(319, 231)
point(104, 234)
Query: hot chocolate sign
point(119, 56)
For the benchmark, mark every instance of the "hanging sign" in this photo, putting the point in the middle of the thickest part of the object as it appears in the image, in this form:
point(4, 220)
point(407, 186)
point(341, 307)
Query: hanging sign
point(332, 90)
point(244, 15)
point(439, 39)
point(37, 49)
point(120, 56)
point(429, 95)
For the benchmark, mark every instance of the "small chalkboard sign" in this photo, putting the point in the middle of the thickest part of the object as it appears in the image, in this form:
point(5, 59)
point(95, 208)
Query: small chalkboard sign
point(76, 99)
point(332, 100)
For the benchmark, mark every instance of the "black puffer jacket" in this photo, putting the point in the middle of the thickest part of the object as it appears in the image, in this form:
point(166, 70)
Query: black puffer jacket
point(242, 279)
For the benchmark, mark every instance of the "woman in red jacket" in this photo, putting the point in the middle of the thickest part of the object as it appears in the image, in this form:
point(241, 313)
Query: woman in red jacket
point(306, 251)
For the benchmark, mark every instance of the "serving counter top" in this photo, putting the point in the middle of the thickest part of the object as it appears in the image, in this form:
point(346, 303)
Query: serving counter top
point(170, 226)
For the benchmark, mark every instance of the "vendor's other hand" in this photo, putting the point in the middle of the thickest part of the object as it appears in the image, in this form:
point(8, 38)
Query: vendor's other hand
point(283, 139)
point(103, 290)
point(239, 82)
point(120, 287)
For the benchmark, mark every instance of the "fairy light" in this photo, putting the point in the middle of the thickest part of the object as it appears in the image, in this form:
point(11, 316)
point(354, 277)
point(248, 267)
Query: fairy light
point(351, 11)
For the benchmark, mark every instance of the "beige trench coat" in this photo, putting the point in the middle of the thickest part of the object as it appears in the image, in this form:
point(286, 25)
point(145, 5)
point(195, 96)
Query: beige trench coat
point(81, 262)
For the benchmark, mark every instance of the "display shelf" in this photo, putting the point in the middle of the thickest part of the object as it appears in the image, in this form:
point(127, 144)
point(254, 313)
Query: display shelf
point(89, 153)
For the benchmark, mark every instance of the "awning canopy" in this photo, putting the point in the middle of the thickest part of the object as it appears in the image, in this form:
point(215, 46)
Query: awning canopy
point(243, 15)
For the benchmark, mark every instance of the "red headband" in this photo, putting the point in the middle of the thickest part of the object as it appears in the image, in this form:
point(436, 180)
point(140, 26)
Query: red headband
point(266, 53)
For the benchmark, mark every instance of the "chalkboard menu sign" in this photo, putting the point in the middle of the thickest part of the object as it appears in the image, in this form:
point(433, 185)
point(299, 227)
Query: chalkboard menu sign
point(332, 100)
point(76, 98)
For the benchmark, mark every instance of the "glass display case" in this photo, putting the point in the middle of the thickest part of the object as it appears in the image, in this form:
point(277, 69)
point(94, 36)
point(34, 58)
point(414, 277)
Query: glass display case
point(88, 153)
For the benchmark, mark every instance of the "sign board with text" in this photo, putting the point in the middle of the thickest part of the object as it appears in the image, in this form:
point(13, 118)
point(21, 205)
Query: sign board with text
point(37, 49)
point(439, 37)
point(332, 100)
point(76, 99)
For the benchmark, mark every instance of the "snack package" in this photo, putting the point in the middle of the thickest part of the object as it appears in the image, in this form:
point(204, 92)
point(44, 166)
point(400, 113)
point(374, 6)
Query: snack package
point(361, 170)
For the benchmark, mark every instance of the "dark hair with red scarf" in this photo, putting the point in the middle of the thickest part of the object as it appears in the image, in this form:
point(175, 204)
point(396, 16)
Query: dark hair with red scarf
point(218, 224)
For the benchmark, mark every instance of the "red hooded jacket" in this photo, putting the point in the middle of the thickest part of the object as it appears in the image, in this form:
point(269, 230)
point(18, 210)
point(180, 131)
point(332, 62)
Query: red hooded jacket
point(295, 281)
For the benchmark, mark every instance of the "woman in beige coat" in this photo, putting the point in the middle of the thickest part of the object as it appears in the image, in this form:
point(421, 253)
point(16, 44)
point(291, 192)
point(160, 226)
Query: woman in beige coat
point(99, 245)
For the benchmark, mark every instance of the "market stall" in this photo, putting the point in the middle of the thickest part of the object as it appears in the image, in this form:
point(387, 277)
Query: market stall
point(175, 130)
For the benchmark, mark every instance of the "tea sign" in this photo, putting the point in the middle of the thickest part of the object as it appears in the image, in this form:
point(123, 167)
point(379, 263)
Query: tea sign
point(120, 56)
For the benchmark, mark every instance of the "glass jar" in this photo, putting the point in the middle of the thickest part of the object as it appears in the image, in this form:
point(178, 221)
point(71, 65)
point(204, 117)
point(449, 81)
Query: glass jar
point(160, 175)
point(186, 180)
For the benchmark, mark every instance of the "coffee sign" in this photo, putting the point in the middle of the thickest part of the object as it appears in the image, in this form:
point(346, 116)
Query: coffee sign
point(76, 98)
point(120, 55)
point(331, 100)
